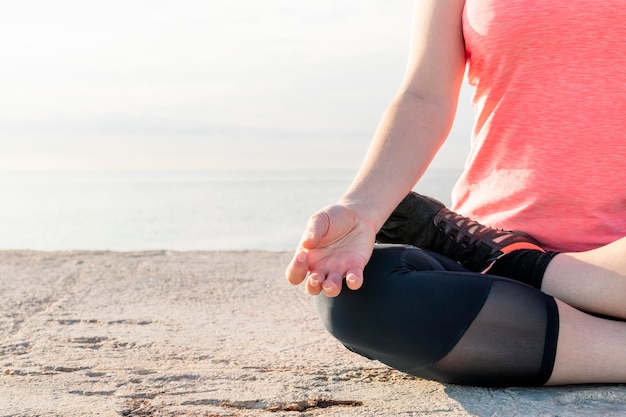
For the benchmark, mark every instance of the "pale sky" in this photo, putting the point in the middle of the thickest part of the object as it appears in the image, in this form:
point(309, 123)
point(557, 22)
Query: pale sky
point(201, 84)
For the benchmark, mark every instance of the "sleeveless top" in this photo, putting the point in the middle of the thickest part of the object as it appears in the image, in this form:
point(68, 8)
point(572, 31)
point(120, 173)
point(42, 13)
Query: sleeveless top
point(548, 152)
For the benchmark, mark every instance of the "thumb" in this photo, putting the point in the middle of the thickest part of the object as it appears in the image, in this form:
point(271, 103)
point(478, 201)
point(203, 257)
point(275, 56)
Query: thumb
point(318, 226)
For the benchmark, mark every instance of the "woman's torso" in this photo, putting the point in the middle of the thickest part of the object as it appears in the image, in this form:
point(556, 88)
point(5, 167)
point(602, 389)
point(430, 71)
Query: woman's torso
point(548, 150)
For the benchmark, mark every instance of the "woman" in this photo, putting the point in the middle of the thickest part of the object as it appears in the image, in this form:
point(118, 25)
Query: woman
point(547, 159)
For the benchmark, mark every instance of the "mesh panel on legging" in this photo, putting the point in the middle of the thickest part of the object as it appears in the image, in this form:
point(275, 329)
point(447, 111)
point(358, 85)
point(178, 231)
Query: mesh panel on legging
point(425, 315)
point(512, 340)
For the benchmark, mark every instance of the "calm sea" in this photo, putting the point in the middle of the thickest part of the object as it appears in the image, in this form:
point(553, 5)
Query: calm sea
point(175, 210)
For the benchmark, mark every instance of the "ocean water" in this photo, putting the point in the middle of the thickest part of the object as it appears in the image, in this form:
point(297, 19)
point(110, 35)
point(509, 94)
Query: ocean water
point(199, 210)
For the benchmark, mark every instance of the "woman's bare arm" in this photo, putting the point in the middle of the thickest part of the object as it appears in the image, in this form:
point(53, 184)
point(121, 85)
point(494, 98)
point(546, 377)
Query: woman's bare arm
point(339, 239)
point(419, 118)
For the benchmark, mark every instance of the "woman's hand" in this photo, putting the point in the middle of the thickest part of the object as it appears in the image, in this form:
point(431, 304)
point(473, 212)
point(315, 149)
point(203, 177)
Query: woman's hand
point(337, 244)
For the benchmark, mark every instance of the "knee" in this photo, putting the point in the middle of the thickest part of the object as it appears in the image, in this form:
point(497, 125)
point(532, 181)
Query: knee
point(346, 316)
point(393, 284)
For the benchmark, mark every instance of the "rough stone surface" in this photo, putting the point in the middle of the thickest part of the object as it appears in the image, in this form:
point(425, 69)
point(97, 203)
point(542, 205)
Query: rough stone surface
point(210, 334)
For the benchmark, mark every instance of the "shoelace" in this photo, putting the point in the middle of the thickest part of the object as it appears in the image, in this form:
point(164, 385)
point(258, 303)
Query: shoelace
point(467, 231)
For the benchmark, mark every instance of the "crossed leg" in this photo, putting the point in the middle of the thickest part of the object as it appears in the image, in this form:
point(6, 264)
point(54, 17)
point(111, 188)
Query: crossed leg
point(590, 349)
point(507, 333)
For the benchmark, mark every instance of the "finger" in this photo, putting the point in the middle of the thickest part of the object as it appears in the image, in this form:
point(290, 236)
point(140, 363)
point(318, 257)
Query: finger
point(354, 279)
point(316, 279)
point(332, 284)
point(313, 284)
point(317, 228)
point(298, 267)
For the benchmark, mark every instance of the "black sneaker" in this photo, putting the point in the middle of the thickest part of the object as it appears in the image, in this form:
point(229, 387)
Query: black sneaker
point(427, 223)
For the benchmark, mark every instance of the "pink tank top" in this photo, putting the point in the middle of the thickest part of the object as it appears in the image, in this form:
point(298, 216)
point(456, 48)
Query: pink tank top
point(548, 152)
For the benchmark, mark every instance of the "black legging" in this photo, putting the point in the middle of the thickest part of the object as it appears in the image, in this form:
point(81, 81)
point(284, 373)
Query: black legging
point(426, 315)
